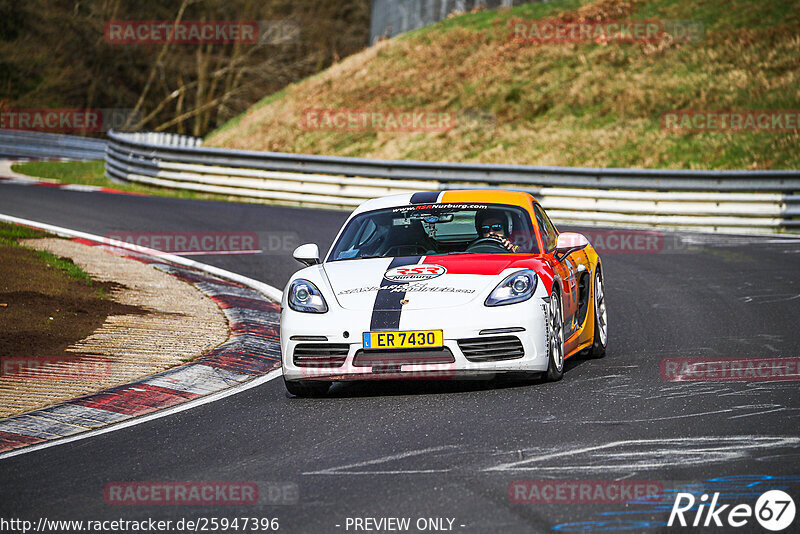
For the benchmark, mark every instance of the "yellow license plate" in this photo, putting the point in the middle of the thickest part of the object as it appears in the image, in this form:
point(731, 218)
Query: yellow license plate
point(403, 340)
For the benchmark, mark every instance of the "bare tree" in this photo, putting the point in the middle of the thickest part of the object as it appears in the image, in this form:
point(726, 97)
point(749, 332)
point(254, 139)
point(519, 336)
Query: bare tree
point(56, 55)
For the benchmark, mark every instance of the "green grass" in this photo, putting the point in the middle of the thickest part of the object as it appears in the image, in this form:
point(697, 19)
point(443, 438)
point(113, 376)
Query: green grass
point(13, 232)
point(93, 173)
point(65, 265)
point(73, 172)
point(10, 234)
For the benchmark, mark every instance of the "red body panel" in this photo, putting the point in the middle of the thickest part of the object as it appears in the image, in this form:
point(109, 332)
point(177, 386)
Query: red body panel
point(494, 264)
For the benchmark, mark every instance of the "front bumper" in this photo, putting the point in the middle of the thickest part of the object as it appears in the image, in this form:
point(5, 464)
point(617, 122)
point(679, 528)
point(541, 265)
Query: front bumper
point(341, 326)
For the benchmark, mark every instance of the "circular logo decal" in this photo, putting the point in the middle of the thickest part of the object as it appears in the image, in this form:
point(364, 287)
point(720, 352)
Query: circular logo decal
point(414, 273)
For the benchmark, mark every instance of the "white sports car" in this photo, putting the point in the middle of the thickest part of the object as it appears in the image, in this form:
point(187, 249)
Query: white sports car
point(442, 285)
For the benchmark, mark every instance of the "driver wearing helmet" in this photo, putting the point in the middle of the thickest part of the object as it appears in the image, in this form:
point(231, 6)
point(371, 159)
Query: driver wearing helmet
point(493, 224)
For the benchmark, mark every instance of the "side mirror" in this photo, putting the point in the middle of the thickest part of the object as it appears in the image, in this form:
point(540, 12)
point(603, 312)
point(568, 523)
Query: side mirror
point(307, 254)
point(569, 242)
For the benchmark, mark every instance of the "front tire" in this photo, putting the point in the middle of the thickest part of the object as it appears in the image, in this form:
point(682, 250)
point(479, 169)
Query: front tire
point(598, 348)
point(555, 345)
point(306, 388)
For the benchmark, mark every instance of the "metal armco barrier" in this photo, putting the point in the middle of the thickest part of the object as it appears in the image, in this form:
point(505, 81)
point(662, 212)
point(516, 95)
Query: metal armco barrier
point(725, 201)
point(23, 144)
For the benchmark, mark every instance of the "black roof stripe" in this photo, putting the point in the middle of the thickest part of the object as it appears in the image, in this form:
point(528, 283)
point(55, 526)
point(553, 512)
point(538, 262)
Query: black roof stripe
point(425, 197)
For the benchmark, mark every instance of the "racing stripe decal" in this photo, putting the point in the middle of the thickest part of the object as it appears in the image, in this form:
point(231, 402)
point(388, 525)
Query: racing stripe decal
point(387, 308)
point(425, 197)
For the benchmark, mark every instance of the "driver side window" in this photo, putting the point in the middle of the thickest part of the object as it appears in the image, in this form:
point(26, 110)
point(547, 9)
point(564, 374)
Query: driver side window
point(548, 231)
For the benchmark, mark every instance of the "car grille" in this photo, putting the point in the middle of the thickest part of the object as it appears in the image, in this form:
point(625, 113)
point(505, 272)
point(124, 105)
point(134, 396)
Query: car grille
point(368, 358)
point(320, 354)
point(484, 349)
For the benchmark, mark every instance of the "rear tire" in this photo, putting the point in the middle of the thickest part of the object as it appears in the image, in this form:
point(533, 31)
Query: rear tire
point(306, 388)
point(598, 348)
point(555, 341)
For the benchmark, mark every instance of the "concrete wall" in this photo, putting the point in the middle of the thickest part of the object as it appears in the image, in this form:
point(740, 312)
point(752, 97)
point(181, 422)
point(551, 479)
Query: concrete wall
point(393, 17)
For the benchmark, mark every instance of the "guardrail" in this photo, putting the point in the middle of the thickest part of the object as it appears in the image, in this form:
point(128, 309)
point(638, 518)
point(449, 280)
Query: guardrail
point(730, 201)
point(24, 144)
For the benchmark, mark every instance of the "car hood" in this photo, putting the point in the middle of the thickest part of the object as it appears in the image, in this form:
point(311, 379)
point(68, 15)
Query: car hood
point(458, 280)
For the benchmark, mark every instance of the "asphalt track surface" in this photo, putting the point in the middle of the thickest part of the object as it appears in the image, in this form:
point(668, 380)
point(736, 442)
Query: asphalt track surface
point(451, 450)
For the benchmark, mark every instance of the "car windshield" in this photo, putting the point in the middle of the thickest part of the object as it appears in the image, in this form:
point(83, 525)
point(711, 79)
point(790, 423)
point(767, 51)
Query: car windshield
point(436, 229)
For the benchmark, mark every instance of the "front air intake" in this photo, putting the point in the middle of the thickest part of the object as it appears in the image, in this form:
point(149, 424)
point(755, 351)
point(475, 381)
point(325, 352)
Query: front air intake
point(484, 349)
point(433, 356)
point(320, 354)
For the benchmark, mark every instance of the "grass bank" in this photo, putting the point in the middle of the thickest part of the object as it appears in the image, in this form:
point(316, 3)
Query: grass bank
point(573, 104)
point(46, 302)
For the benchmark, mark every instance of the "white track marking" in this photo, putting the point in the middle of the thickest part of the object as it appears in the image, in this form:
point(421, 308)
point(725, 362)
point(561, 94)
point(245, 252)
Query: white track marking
point(665, 452)
point(217, 252)
point(266, 289)
point(760, 413)
point(373, 473)
point(383, 459)
point(623, 457)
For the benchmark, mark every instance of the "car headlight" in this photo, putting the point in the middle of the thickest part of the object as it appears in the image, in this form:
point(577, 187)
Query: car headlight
point(517, 287)
point(305, 297)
